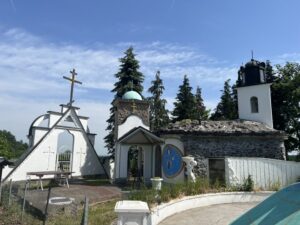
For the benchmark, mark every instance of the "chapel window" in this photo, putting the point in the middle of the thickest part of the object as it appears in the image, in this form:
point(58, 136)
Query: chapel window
point(254, 104)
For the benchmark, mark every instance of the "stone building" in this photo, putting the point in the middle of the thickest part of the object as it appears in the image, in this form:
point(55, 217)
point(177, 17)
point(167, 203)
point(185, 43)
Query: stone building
point(160, 153)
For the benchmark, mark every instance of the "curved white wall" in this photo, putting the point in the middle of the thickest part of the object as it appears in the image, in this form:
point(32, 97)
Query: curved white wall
point(165, 210)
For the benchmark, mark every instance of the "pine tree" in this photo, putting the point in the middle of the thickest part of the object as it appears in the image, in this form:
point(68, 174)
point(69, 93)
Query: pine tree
point(184, 105)
point(128, 78)
point(158, 113)
point(226, 109)
point(200, 110)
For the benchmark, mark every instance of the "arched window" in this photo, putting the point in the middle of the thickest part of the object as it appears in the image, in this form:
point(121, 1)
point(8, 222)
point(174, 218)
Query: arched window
point(254, 104)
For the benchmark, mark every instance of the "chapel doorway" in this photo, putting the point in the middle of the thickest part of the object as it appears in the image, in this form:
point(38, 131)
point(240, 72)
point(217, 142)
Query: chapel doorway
point(65, 144)
point(135, 163)
point(158, 161)
point(216, 171)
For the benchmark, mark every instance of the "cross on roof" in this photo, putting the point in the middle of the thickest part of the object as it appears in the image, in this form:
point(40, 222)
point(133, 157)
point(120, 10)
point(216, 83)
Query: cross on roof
point(72, 79)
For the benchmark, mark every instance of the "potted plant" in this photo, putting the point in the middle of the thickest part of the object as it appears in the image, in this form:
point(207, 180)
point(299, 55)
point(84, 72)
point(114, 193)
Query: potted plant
point(156, 183)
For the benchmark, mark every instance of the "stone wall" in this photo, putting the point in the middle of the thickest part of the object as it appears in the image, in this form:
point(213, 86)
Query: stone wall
point(204, 147)
point(125, 108)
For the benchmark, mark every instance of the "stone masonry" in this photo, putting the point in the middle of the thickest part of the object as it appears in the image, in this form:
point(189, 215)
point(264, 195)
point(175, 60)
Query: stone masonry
point(219, 139)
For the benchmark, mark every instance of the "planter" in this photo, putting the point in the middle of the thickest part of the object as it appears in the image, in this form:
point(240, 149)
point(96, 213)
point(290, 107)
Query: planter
point(156, 183)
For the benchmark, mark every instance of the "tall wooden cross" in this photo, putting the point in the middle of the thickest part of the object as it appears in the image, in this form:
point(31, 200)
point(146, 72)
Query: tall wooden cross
point(72, 79)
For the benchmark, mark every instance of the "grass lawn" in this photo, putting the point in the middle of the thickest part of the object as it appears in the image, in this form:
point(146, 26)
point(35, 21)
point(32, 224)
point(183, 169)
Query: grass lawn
point(99, 214)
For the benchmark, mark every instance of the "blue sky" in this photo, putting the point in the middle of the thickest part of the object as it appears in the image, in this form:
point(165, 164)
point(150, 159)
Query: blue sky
point(40, 41)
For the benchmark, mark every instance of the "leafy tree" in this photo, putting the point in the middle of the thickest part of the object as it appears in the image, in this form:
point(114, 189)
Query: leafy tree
point(226, 108)
point(128, 78)
point(286, 103)
point(200, 110)
point(185, 101)
point(9, 146)
point(158, 113)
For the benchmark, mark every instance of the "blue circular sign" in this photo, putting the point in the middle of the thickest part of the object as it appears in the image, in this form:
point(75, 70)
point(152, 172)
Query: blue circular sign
point(171, 161)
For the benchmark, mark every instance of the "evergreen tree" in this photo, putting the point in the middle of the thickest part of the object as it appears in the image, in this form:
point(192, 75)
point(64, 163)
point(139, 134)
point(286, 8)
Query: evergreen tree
point(270, 75)
point(128, 78)
point(286, 103)
point(226, 109)
point(200, 110)
point(184, 105)
point(158, 113)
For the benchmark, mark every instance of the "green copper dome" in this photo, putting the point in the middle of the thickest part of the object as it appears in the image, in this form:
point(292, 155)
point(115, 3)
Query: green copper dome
point(132, 95)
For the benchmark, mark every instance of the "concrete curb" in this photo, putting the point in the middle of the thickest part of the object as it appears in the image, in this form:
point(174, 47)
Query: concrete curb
point(165, 210)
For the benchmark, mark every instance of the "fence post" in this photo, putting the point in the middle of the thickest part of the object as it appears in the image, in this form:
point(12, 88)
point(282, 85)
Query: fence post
point(24, 200)
point(85, 219)
point(9, 195)
point(0, 192)
point(47, 203)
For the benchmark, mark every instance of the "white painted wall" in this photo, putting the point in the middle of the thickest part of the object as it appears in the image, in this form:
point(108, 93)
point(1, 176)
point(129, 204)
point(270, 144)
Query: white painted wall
point(138, 213)
point(84, 123)
point(265, 172)
point(177, 143)
point(38, 134)
point(165, 210)
point(263, 93)
point(44, 156)
point(121, 161)
point(53, 118)
point(85, 160)
point(130, 123)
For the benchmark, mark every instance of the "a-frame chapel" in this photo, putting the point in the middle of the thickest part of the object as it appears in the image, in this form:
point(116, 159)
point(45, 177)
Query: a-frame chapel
point(59, 141)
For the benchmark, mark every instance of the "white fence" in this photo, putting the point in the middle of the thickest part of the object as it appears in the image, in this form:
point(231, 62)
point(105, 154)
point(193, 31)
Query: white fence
point(266, 173)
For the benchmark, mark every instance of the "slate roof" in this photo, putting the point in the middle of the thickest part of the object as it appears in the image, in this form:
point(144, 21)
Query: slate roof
point(222, 128)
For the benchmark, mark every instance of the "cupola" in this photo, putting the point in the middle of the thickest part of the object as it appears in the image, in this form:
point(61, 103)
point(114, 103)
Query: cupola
point(253, 73)
point(132, 95)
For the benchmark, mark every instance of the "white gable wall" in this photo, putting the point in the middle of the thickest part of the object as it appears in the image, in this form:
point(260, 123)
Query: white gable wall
point(130, 123)
point(85, 160)
point(53, 119)
point(84, 123)
point(44, 156)
point(38, 134)
point(40, 159)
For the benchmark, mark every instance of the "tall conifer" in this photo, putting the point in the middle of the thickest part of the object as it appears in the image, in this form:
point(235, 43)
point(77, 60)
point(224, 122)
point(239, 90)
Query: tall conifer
point(200, 110)
point(226, 109)
point(128, 78)
point(184, 105)
point(158, 113)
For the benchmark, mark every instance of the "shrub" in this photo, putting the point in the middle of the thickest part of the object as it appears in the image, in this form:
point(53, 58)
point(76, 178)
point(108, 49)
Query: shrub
point(248, 184)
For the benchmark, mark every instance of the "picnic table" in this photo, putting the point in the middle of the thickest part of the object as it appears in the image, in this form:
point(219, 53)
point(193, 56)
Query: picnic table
point(59, 174)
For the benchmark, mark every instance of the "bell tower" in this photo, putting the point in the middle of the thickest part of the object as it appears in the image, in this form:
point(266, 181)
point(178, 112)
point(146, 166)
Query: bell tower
point(254, 93)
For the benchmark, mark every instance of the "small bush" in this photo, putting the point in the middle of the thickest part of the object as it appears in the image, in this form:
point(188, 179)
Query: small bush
point(248, 184)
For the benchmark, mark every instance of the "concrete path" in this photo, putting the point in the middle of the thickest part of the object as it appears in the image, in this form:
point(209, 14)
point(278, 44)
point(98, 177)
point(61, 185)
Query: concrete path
point(221, 214)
